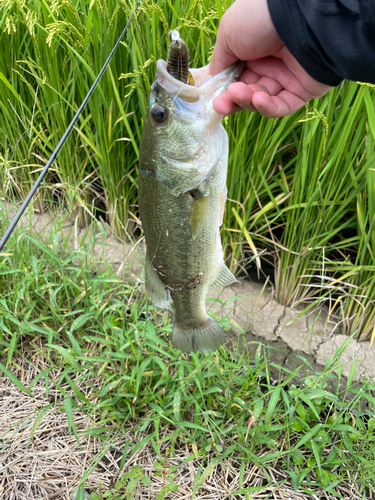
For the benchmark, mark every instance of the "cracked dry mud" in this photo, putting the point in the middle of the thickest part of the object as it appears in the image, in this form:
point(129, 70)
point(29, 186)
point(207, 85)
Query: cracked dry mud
point(313, 336)
point(284, 330)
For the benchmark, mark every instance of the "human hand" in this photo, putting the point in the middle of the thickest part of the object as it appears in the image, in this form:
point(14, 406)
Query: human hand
point(272, 82)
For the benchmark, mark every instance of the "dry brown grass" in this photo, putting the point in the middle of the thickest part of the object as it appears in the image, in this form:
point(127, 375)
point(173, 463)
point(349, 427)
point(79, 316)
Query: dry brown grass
point(50, 463)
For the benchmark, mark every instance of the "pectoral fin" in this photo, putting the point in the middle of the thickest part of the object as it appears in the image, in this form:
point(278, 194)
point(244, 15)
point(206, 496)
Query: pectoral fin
point(224, 278)
point(223, 199)
point(198, 211)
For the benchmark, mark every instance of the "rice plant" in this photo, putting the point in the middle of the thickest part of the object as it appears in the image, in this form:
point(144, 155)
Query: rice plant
point(331, 172)
point(357, 304)
point(300, 188)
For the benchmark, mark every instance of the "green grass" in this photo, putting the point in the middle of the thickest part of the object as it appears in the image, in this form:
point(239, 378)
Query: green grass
point(301, 188)
point(92, 325)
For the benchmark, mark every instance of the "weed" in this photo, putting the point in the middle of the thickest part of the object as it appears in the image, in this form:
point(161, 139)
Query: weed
point(116, 363)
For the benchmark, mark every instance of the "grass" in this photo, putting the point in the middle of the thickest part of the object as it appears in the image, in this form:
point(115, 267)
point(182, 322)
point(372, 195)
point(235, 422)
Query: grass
point(301, 191)
point(300, 187)
point(107, 354)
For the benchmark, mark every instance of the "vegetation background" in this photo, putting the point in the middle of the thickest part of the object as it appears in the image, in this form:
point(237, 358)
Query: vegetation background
point(301, 188)
point(302, 199)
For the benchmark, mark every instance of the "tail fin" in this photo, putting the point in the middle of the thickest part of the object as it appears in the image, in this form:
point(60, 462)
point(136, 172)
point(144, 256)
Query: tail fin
point(202, 338)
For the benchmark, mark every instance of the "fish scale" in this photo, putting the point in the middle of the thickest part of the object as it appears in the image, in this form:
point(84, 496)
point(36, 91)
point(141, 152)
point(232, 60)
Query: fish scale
point(182, 191)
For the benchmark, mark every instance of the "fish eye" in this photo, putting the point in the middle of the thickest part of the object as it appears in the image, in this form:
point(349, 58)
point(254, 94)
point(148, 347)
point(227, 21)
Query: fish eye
point(159, 114)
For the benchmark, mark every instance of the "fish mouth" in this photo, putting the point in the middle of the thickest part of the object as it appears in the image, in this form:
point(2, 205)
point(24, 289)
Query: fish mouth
point(197, 99)
point(191, 84)
point(173, 86)
point(206, 86)
point(190, 92)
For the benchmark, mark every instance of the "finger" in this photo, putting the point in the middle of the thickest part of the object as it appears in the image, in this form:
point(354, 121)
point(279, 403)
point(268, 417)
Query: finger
point(222, 56)
point(249, 77)
point(224, 105)
point(275, 69)
point(241, 94)
point(268, 85)
point(283, 104)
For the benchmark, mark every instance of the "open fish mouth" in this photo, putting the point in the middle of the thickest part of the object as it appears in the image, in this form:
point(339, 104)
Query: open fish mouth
point(190, 84)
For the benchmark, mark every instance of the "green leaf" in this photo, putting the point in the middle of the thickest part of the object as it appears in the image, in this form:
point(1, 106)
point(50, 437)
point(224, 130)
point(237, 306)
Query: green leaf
point(246, 233)
point(272, 403)
point(8, 85)
point(370, 110)
point(67, 355)
point(191, 425)
point(173, 487)
point(316, 455)
point(124, 115)
point(132, 485)
point(39, 418)
point(76, 391)
point(15, 380)
point(297, 457)
point(308, 401)
point(69, 414)
point(207, 471)
point(295, 479)
point(80, 321)
point(87, 140)
point(309, 435)
point(351, 374)
point(146, 480)
point(80, 494)
point(345, 428)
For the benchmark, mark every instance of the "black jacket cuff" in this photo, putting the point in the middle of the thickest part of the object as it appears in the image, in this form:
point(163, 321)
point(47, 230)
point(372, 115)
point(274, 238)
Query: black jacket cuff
point(301, 42)
point(331, 39)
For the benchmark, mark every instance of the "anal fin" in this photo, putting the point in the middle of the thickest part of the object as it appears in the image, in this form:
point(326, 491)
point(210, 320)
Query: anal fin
point(224, 278)
point(155, 288)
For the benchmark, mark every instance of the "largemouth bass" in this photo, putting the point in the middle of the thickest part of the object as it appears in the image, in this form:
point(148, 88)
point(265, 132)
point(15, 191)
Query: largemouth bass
point(182, 193)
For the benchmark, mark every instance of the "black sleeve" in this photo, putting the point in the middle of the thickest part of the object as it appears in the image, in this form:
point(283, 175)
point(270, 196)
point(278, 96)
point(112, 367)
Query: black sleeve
point(331, 39)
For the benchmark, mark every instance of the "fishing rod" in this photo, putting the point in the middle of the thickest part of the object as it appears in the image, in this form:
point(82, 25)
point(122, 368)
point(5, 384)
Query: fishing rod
point(20, 212)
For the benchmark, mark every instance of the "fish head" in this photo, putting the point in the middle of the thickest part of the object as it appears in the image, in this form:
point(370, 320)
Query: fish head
point(182, 136)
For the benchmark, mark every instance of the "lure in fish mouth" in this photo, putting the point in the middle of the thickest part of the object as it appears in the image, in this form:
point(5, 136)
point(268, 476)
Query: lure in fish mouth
point(178, 59)
point(182, 193)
